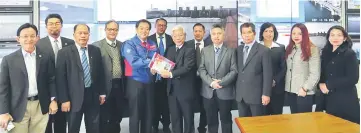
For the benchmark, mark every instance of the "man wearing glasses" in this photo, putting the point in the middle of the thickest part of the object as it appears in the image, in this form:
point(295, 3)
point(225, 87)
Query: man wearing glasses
point(51, 44)
point(111, 111)
point(161, 109)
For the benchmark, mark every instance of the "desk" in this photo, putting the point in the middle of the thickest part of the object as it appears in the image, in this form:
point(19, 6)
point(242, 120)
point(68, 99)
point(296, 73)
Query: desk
point(315, 122)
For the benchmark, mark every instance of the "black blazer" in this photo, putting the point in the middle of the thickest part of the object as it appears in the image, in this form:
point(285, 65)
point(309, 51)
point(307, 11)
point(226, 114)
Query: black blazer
point(279, 68)
point(339, 69)
point(169, 41)
point(69, 75)
point(14, 83)
point(181, 85)
point(45, 45)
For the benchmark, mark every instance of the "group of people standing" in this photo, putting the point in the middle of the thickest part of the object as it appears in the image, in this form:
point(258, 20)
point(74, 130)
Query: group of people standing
point(96, 80)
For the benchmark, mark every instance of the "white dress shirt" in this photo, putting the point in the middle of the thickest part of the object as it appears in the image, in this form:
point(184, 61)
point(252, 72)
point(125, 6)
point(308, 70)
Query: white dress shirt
point(274, 44)
point(164, 41)
point(250, 47)
point(30, 64)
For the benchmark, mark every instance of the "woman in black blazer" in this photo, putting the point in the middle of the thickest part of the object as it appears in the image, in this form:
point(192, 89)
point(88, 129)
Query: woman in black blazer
point(268, 37)
point(339, 74)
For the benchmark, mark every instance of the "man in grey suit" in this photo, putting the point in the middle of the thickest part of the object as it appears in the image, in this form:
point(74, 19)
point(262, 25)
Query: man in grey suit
point(27, 85)
point(218, 70)
point(254, 82)
point(111, 112)
point(51, 44)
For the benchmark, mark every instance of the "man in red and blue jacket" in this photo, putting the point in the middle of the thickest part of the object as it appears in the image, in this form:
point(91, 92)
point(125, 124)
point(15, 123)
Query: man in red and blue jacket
point(138, 51)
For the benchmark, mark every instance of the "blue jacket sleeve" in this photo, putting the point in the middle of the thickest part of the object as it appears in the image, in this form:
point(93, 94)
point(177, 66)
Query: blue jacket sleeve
point(130, 53)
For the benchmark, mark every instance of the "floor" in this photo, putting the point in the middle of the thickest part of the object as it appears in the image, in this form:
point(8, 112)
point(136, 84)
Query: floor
point(125, 123)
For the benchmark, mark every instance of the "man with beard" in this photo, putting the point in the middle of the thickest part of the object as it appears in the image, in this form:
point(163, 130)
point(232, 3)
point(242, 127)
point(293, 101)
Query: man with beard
point(51, 44)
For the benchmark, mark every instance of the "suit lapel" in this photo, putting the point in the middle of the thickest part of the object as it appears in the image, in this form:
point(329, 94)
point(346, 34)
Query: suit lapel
point(50, 47)
point(21, 62)
point(63, 42)
point(76, 56)
point(240, 56)
point(103, 44)
point(221, 55)
point(90, 53)
point(253, 51)
point(211, 56)
point(38, 61)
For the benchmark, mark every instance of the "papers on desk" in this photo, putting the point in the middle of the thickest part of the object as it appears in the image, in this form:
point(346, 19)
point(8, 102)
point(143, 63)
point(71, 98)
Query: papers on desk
point(159, 63)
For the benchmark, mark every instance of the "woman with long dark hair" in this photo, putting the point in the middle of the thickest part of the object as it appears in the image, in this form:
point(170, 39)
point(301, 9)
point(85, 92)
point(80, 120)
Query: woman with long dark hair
point(339, 75)
point(268, 37)
point(303, 70)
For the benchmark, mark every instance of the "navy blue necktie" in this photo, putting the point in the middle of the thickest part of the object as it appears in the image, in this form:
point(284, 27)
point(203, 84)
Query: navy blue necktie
point(86, 68)
point(161, 46)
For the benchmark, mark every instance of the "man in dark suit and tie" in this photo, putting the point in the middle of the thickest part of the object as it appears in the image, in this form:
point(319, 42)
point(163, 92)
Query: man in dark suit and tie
point(27, 85)
point(111, 112)
point(180, 83)
point(198, 44)
point(161, 109)
point(218, 70)
point(79, 76)
point(254, 82)
point(51, 44)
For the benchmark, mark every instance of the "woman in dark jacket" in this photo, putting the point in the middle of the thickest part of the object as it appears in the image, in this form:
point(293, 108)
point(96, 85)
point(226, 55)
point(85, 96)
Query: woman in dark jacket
point(339, 75)
point(268, 37)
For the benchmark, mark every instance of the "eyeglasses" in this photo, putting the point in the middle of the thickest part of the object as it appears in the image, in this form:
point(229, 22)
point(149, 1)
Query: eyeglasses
point(80, 33)
point(28, 37)
point(54, 24)
point(110, 29)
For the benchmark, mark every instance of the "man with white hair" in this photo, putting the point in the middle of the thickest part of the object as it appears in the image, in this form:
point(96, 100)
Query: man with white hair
point(181, 94)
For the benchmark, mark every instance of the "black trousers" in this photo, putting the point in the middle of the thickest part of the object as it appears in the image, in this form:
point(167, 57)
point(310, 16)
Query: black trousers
point(224, 107)
point(246, 109)
point(275, 106)
point(141, 106)
point(161, 107)
point(300, 104)
point(90, 108)
point(202, 118)
point(57, 122)
point(111, 112)
point(181, 109)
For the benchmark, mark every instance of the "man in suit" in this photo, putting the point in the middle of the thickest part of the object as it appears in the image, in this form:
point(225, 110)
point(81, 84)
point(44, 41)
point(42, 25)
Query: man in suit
point(218, 70)
point(111, 112)
point(51, 44)
point(161, 109)
point(198, 44)
point(254, 82)
point(79, 75)
point(137, 53)
point(27, 85)
point(180, 83)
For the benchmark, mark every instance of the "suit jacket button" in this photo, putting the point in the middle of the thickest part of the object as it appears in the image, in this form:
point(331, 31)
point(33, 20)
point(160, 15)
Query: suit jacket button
point(333, 62)
point(242, 80)
point(242, 71)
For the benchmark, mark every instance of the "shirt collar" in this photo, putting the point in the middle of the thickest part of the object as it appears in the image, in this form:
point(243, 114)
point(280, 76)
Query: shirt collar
point(220, 46)
point(53, 39)
point(157, 35)
point(26, 53)
point(179, 47)
point(273, 45)
point(201, 42)
point(110, 42)
point(78, 46)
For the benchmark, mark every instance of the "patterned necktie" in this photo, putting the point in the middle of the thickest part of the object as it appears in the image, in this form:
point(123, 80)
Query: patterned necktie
point(161, 46)
point(245, 54)
point(198, 54)
point(86, 68)
point(115, 55)
point(56, 49)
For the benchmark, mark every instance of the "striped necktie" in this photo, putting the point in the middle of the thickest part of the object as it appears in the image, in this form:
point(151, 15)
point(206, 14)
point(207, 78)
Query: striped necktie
point(86, 68)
